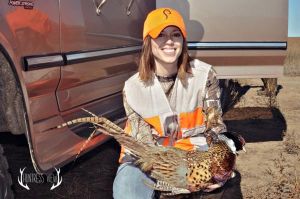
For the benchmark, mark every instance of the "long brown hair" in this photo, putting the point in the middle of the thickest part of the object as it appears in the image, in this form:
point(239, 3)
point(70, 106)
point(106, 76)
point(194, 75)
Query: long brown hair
point(147, 64)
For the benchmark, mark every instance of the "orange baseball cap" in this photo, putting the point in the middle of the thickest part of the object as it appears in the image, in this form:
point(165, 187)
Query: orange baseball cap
point(159, 19)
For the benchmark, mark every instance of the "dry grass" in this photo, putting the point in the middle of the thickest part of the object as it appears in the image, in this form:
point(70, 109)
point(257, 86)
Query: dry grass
point(285, 181)
point(283, 176)
point(292, 61)
point(291, 147)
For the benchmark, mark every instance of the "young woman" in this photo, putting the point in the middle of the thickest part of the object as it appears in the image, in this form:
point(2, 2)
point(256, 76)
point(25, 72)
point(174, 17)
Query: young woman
point(166, 99)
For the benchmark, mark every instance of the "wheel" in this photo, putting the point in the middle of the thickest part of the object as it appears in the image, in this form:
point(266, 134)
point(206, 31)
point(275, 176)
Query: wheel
point(5, 178)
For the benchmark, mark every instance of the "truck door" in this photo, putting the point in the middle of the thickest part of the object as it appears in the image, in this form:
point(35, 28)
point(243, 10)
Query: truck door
point(100, 40)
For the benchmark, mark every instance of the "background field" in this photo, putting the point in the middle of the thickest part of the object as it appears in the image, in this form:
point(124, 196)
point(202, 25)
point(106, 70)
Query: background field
point(270, 168)
point(292, 61)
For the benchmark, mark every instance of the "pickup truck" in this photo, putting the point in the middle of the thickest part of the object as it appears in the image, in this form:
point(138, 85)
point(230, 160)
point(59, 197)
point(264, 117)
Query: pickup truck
point(60, 57)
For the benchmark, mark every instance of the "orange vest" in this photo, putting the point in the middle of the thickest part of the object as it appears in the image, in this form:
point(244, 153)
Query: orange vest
point(182, 114)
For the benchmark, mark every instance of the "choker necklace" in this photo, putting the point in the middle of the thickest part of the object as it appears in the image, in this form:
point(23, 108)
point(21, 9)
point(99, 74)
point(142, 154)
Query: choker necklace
point(166, 78)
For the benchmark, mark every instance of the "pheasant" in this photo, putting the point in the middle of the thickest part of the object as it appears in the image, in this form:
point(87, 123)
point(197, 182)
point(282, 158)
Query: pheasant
point(176, 171)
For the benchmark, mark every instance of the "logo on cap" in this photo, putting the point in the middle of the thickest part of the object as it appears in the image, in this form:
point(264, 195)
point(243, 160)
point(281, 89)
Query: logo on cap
point(167, 12)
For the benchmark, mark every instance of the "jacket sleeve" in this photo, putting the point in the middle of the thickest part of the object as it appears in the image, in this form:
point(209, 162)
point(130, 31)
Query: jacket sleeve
point(139, 129)
point(212, 99)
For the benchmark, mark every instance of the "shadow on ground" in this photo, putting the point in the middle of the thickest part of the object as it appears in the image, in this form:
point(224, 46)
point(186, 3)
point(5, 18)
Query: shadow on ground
point(256, 124)
point(91, 176)
point(232, 92)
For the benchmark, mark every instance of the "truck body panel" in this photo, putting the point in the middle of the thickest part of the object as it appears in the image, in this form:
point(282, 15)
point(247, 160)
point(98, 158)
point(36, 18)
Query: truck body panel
point(237, 37)
point(68, 57)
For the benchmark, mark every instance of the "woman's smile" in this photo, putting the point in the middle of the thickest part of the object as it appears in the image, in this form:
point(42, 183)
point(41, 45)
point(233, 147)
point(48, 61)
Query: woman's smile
point(169, 51)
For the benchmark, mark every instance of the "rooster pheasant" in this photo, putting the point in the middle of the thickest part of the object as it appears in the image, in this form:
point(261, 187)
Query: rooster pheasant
point(176, 171)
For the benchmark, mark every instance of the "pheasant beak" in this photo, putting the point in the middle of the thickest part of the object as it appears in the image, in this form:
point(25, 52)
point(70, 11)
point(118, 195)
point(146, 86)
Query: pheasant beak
point(244, 149)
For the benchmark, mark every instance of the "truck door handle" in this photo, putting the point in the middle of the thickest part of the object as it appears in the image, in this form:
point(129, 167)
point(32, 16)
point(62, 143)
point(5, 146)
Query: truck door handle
point(128, 11)
point(99, 6)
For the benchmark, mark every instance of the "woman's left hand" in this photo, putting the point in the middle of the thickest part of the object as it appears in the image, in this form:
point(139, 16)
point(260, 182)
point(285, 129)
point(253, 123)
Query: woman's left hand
point(212, 187)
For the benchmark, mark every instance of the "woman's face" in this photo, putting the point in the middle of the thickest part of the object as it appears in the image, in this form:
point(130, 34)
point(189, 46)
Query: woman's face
point(167, 47)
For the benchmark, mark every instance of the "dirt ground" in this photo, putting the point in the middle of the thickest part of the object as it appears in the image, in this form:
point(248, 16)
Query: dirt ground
point(270, 168)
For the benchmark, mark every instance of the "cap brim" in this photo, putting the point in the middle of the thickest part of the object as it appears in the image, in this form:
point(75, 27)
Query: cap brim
point(157, 30)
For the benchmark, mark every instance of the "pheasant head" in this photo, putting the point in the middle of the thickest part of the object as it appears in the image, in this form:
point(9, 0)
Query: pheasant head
point(235, 141)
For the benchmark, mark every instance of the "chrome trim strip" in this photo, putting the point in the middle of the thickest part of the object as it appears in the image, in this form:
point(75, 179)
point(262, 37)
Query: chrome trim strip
point(237, 45)
point(38, 62)
point(44, 60)
point(76, 57)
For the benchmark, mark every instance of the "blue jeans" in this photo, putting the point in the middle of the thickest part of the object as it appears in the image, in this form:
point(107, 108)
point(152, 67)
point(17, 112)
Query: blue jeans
point(129, 183)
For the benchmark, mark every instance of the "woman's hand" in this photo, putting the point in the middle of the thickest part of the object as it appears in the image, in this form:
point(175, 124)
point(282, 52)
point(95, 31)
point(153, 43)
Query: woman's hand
point(212, 187)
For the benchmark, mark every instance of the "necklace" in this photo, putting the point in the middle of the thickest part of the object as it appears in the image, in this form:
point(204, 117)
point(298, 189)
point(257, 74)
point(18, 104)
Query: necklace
point(166, 78)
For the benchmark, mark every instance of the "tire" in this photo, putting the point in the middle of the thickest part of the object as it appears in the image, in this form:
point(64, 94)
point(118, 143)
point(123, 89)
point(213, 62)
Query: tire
point(5, 178)
point(11, 98)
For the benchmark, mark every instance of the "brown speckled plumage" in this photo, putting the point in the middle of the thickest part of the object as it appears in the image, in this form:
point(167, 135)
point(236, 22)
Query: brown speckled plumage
point(176, 171)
